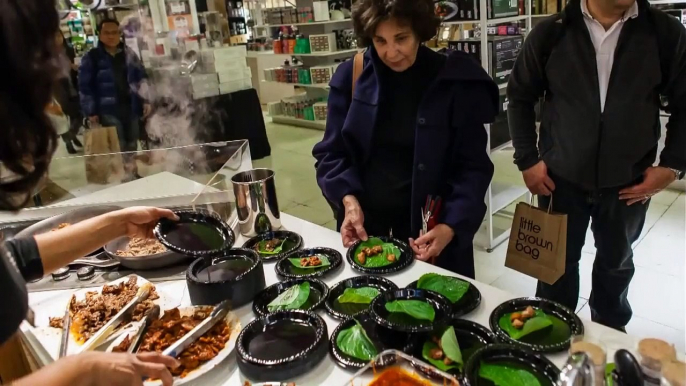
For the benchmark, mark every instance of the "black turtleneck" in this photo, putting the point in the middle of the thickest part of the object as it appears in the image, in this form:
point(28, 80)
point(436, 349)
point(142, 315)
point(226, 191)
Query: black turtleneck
point(387, 176)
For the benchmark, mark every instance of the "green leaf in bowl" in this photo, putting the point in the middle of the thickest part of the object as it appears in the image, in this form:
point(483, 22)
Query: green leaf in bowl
point(450, 287)
point(538, 322)
point(380, 260)
point(291, 299)
point(262, 247)
point(296, 262)
point(417, 309)
point(502, 375)
point(355, 342)
point(450, 348)
point(362, 295)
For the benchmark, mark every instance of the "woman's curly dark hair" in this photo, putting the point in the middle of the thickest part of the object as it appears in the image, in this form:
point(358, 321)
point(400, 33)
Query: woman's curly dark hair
point(30, 65)
point(419, 14)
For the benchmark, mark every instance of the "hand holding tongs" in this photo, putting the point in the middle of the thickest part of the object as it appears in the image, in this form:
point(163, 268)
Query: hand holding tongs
point(150, 317)
point(124, 315)
point(429, 215)
point(217, 315)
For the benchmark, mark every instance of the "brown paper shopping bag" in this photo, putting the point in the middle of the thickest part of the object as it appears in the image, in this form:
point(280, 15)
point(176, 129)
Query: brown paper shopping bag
point(538, 243)
point(103, 159)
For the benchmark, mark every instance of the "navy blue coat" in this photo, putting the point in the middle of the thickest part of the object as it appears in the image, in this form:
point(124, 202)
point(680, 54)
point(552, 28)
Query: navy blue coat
point(450, 158)
point(97, 88)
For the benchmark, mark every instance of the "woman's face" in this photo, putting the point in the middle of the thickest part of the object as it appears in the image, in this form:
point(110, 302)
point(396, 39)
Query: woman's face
point(396, 44)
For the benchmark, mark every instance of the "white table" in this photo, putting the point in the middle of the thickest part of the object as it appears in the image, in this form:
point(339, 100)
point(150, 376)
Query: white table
point(327, 372)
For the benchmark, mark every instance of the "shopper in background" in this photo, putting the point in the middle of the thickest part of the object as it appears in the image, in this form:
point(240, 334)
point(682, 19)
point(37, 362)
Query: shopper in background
point(601, 66)
point(67, 94)
point(109, 79)
point(413, 127)
point(31, 67)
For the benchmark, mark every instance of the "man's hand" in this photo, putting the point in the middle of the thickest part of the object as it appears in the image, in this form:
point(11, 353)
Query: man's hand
point(431, 245)
point(352, 228)
point(537, 180)
point(655, 179)
point(147, 109)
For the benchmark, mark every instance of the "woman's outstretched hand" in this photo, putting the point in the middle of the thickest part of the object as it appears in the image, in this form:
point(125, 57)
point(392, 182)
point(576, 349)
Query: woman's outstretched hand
point(140, 221)
point(352, 228)
point(431, 245)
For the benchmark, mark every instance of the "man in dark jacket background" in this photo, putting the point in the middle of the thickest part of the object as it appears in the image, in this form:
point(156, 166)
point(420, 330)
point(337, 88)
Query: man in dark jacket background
point(601, 70)
point(109, 79)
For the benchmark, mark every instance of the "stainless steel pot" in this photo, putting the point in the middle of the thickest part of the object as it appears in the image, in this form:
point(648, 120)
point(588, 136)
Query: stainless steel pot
point(256, 203)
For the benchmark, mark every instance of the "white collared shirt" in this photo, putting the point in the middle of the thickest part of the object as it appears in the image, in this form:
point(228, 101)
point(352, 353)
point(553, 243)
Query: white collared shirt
point(605, 43)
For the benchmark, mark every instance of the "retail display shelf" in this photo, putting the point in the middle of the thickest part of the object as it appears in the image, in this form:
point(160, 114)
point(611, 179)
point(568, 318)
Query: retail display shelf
point(542, 15)
point(121, 6)
point(301, 24)
point(316, 85)
point(330, 53)
point(319, 125)
point(502, 86)
point(490, 21)
point(503, 195)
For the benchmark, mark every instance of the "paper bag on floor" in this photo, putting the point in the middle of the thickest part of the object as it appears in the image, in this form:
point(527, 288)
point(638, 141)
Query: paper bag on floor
point(538, 243)
point(103, 159)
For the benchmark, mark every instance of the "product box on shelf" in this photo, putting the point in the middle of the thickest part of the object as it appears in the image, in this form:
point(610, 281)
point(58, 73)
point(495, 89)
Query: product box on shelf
point(204, 79)
point(502, 8)
point(229, 76)
point(323, 43)
point(320, 111)
point(321, 74)
point(237, 64)
point(321, 10)
point(502, 53)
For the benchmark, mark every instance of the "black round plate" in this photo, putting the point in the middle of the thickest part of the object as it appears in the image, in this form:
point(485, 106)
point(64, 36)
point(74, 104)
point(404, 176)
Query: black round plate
point(405, 260)
point(286, 270)
point(540, 366)
point(576, 327)
point(318, 293)
point(294, 239)
point(337, 290)
point(470, 336)
point(383, 339)
point(283, 361)
point(439, 302)
point(468, 303)
point(167, 232)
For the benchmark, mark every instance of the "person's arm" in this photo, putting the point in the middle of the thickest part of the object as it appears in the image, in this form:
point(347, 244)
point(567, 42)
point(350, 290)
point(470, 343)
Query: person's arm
point(64, 372)
point(336, 175)
point(674, 154)
point(86, 93)
point(525, 87)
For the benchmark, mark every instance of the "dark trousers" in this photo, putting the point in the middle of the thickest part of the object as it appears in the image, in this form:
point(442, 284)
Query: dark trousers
point(615, 227)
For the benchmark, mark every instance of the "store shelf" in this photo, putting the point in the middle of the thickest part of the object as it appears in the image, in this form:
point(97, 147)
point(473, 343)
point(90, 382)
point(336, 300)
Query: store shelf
point(300, 24)
point(502, 195)
point(541, 16)
point(316, 85)
point(490, 21)
point(332, 53)
point(121, 6)
point(319, 125)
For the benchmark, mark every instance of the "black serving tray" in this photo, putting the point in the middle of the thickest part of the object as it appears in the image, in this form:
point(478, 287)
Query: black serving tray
point(293, 237)
point(240, 290)
point(337, 290)
point(285, 269)
point(405, 259)
point(259, 306)
point(383, 339)
point(289, 367)
point(166, 227)
point(468, 303)
point(539, 365)
point(576, 327)
point(440, 304)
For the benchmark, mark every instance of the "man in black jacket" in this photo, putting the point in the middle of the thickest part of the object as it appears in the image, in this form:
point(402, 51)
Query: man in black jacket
point(602, 67)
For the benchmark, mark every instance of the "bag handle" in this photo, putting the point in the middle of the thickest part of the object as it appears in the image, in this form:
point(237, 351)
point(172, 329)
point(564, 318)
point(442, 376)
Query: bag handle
point(550, 204)
point(358, 66)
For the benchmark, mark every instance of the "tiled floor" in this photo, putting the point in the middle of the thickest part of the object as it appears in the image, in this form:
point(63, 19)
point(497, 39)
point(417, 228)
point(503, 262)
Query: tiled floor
point(657, 293)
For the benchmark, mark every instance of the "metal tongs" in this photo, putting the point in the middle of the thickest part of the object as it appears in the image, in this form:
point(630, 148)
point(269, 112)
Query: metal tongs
point(66, 326)
point(123, 316)
point(150, 317)
point(218, 314)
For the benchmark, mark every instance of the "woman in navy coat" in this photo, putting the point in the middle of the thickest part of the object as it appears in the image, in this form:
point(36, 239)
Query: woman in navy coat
point(413, 127)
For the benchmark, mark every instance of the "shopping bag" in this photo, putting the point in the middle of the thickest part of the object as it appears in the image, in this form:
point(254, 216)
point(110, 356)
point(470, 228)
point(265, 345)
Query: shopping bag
point(103, 155)
point(538, 243)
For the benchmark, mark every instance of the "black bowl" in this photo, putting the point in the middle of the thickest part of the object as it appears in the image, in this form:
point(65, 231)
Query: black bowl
point(318, 293)
point(468, 303)
point(404, 260)
point(470, 336)
point(242, 281)
point(294, 239)
point(297, 342)
point(552, 339)
point(337, 311)
point(383, 317)
point(537, 364)
point(383, 339)
point(176, 236)
point(286, 270)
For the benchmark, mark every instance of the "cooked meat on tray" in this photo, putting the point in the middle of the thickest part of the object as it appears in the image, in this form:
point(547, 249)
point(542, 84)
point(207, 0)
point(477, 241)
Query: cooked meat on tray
point(171, 327)
point(142, 247)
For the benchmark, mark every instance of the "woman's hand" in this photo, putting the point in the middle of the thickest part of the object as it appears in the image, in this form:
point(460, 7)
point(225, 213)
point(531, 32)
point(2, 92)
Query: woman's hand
point(140, 221)
point(352, 228)
point(432, 244)
point(119, 369)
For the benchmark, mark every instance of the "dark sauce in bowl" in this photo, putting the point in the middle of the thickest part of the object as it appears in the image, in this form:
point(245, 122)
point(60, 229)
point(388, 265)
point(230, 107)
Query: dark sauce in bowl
point(281, 340)
point(195, 237)
point(228, 269)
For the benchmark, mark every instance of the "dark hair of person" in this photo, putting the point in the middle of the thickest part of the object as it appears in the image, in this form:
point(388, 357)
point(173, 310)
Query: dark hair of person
point(30, 65)
point(105, 21)
point(419, 14)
